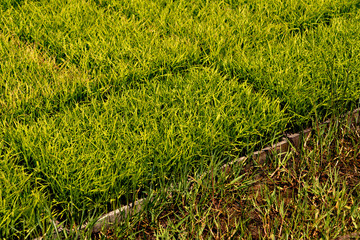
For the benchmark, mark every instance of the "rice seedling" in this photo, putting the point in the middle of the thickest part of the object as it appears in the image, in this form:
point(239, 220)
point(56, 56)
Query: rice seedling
point(105, 101)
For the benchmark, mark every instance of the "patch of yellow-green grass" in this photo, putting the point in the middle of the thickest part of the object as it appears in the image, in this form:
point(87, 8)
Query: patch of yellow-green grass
point(98, 153)
point(31, 83)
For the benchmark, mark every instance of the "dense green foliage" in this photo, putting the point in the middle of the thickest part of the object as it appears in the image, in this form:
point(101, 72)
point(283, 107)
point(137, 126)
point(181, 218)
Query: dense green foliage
point(99, 99)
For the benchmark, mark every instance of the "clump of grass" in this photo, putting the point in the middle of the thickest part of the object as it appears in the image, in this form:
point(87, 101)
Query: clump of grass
point(307, 194)
point(23, 199)
point(102, 99)
point(297, 52)
point(96, 154)
point(32, 84)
